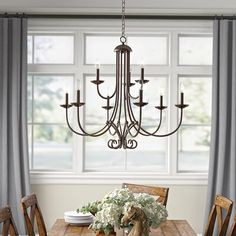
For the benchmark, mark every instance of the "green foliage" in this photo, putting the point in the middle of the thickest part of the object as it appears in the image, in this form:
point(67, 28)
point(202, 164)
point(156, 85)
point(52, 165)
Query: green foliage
point(91, 207)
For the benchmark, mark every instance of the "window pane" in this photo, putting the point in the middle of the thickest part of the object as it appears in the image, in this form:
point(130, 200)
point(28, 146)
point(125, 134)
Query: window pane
point(100, 49)
point(49, 49)
point(194, 143)
point(52, 147)
point(150, 154)
point(99, 156)
point(197, 92)
point(195, 50)
point(49, 93)
point(30, 49)
point(149, 50)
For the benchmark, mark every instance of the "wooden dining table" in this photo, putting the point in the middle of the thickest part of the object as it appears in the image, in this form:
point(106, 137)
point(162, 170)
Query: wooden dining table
point(168, 228)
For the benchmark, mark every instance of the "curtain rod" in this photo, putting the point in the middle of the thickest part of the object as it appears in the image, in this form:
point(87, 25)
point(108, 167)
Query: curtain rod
point(134, 17)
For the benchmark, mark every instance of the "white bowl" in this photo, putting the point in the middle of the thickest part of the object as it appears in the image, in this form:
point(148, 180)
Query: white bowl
point(78, 215)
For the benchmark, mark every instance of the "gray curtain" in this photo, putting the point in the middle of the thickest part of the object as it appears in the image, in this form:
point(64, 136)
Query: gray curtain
point(14, 168)
point(222, 167)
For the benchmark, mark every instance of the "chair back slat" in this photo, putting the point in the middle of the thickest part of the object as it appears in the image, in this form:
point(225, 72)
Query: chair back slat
point(219, 217)
point(160, 192)
point(30, 203)
point(7, 220)
point(32, 212)
point(233, 228)
point(221, 203)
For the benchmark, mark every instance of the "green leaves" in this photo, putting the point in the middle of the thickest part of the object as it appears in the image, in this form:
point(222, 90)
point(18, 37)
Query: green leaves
point(91, 207)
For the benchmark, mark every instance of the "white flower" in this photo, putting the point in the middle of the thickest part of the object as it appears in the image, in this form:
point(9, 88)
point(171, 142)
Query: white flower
point(114, 204)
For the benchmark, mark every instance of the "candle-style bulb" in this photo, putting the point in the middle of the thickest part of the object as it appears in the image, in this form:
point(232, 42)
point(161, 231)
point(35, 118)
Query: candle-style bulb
point(141, 95)
point(97, 67)
point(142, 73)
point(97, 74)
point(78, 96)
point(161, 100)
point(181, 88)
point(66, 99)
point(181, 98)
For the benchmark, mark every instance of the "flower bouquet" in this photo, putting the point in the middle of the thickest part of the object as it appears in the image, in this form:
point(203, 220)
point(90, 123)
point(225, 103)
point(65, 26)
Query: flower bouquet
point(108, 212)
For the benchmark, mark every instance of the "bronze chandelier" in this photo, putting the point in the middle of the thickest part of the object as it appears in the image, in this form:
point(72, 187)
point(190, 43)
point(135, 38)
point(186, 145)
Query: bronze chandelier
point(121, 122)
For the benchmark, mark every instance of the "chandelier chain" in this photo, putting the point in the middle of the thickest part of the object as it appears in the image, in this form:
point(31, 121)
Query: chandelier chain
point(123, 22)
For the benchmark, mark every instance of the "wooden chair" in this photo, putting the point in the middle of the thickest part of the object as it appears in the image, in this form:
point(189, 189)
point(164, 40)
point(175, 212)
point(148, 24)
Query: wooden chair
point(30, 203)
point(9, 226)
point(217, 214)
point(159, 192)
point(233, 228)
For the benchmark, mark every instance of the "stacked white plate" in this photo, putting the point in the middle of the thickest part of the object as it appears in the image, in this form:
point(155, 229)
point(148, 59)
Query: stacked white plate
point(78, 218)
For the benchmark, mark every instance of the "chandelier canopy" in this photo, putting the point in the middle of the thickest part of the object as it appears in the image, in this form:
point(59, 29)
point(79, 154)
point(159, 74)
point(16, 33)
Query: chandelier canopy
point(121, 122)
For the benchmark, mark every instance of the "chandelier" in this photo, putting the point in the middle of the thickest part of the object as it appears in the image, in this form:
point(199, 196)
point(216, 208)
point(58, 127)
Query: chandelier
point(121, 122)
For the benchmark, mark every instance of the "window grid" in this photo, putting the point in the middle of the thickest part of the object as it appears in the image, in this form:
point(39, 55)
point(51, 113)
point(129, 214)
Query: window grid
point(79, 70)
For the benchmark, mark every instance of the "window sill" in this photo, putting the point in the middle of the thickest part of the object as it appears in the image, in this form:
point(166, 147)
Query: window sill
point(118, 178)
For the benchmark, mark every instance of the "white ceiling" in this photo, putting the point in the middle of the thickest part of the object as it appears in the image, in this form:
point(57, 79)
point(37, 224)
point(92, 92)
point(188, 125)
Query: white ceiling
point(113, 6)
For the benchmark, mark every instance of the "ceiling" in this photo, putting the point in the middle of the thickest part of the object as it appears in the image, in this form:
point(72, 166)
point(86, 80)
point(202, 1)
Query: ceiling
point(114, 6)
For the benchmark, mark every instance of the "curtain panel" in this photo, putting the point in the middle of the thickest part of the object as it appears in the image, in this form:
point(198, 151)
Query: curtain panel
point(222, 166)
point(14, 168)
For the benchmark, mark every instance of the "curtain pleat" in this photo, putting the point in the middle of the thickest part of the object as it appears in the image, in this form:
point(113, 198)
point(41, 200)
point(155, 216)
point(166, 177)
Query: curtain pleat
point(14, 167)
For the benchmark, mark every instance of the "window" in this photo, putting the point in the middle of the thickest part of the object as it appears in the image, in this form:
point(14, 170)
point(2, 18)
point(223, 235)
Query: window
point(176, 57)
point(50, 141)
point(194, 134)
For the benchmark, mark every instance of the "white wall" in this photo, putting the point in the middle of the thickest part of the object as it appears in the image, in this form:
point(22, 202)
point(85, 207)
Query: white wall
point(184, 202)
point(110, 7)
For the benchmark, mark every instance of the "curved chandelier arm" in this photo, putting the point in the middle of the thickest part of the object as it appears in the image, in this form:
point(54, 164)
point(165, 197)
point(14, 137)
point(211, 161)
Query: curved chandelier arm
point(129, 130)
point(97, 84)
point(159, 125)
point(133, 96)
point(103, 97)
point(121, 141)
point(131, 114)
point(113, 143)
point(128, 87)
point(109, 122)
point(120, 92)
point(117, 97)
point(110, 132)
point(134, 121)
point(139, 129)
point(95, 134)
point(170, 133)
point(131, 143)
point(127, 106)
point(70, 127)
point(134, 124)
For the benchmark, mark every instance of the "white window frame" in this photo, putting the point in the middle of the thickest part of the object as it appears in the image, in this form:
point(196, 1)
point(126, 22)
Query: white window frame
point(82, 27)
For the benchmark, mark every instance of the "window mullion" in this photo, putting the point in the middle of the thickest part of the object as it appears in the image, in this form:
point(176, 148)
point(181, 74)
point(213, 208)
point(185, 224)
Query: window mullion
point(173, 114)
point(78, 157)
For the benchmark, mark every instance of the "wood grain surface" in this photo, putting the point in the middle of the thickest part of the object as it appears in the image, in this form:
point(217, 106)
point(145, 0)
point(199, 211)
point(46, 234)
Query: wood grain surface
point(168, 228)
